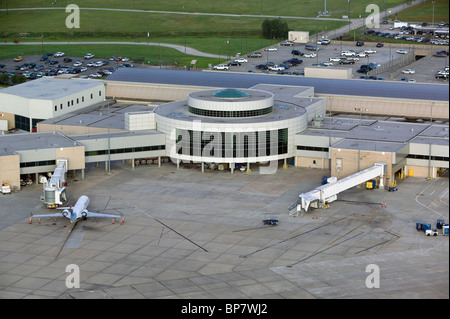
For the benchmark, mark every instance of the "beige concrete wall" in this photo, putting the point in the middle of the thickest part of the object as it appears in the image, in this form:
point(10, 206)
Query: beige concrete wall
point(322, 163)
point(144, 91)
point(350, 162)
point(10, 170)
point(8, 117)
point(419, 171)
point(387, 106)
point(73, 130)
point(328, 73)
point(74, 155)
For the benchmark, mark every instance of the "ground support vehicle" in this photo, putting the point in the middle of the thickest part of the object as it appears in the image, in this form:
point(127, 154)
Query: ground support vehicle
point(6, 189)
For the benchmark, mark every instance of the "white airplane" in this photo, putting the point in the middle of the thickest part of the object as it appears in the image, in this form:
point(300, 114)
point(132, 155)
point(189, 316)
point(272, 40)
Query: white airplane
point(77, 212)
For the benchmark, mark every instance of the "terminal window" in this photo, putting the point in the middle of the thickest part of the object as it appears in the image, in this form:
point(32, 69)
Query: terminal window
point(232, 145)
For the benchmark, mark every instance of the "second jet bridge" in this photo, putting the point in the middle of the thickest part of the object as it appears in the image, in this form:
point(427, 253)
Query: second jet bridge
point(328, 193)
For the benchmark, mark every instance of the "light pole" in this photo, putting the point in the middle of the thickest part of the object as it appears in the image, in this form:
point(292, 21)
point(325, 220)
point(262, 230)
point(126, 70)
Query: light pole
point(109, 143)
point(359, 135)
point(429, 145)
point(432, 23)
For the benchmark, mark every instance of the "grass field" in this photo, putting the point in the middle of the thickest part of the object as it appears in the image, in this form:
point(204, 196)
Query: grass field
point(424, 12)
point(153, 55)
point(299, 8)
point(205, 33)
point(116, 24)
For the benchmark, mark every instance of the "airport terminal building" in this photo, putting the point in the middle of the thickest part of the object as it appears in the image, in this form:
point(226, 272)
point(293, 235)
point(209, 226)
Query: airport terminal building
point(224, 120)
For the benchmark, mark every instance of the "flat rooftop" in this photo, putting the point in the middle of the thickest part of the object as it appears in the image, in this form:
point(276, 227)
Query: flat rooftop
point(12, 143)
point(99, 116)
point(399, 90)
point(49, 88)
point(378, 134)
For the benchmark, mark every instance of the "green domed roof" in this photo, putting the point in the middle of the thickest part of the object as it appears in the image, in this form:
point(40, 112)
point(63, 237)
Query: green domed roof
point(231, 94)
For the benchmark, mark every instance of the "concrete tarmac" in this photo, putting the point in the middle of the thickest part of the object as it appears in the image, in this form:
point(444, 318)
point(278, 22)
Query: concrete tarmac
point(194, 235)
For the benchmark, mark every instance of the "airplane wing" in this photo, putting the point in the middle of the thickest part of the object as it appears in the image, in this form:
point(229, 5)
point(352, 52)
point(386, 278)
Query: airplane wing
point(48, 215)
point(91, 214)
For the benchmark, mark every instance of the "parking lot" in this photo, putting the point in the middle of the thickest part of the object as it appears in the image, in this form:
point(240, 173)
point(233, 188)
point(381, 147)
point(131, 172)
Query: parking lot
point(384, 57)
point(192, 235)
point(52, 63)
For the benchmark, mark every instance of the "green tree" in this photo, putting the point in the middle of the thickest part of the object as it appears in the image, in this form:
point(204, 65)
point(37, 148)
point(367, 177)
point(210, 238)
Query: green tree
point(4, 78)
point(16, 79)
point(275, 29)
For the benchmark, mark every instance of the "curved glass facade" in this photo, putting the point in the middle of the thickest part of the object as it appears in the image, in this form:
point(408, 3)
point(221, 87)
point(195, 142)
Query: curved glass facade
point(217, 113)
point(232, 144)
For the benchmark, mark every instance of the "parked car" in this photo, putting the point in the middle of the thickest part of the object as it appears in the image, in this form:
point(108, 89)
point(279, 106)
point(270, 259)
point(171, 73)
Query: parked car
point(380, 45)
point(241, 60)
point(88, 56)
point(348, 53)
point(296, 52)
point(324, 41)
point(287, 43)
point(277, 68)
point(59, 54)
point(312, 47)
point(67, 60)
point(310, 55)
point(294, 61)
point(18, 59)
point(234, 63)
point(271, 49)
point(78, 63)
point(408, 71)
point(345, 61)
point(359, 43)
point(43, 58)
point(335, 59)
point(254, 55)
point(261, 67)
point(326, 63)
point(370, 51)
point(221, 67)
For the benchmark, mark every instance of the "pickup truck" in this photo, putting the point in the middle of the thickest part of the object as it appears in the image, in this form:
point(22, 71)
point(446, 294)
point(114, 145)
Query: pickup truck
point(221, 67)
point(276, 68)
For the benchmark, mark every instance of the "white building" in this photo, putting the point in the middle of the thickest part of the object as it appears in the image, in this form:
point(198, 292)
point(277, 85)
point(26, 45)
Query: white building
point(233, 126)
point(28, 103)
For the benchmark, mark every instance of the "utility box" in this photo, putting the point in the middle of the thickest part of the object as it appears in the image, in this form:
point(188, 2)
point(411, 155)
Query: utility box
point(370, 184)
point(445, 230)
point(423, 226)
point(298, 36)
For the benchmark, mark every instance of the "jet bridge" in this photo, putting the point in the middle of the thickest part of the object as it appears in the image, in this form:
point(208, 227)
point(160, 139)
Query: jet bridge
point(55, 190)
point(328, 193)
